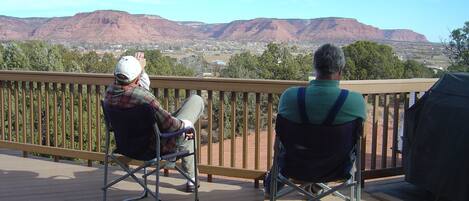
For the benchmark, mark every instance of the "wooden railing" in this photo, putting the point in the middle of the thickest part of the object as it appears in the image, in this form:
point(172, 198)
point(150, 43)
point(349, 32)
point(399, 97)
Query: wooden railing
point(59, 114)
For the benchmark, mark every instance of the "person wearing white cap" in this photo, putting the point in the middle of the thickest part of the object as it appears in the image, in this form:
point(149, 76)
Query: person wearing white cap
point(129, 90)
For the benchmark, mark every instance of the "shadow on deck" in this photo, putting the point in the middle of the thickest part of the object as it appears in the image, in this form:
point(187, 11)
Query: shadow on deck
point(42, 179)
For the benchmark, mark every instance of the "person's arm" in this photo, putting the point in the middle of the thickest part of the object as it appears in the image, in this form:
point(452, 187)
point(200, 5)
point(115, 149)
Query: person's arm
point(166, 122)
point(144, 79)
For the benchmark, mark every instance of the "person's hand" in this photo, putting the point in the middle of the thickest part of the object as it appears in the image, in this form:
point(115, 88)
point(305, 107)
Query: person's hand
point(188, 124)
point(140, 56)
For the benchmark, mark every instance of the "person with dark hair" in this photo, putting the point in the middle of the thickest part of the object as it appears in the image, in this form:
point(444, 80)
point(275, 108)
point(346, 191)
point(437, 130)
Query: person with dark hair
point(320, 96)
point(131, 88)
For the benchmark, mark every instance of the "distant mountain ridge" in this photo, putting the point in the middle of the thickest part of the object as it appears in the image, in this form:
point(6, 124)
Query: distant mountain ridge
point(109, 26)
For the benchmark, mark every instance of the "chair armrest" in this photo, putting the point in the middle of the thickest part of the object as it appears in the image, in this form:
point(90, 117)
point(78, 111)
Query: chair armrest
point(176, 133)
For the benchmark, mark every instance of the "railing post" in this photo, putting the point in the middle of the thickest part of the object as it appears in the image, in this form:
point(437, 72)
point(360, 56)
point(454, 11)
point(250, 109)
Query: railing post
point(245, 130)
point(257, 137)
point(47, 117)
point(2, 110)
point(221, 130)
point(88, 106)
point(62, 107)
point(269, 131)
point(31, 112)
point(210, 126)
point(384, 147)
point(23, 114)
point(233, 129)
point(72, 116)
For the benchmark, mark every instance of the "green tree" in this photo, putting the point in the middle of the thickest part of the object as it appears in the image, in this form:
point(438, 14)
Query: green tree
point(37, 52)
point(158, 64)
point(457, 49)
point(414, 69)
point(71, 60)
point(107, 63)
point(370, 60)
point(90, 60)
point(2, 62)
point(242, 65)
point(15, 58)
point(54, 59)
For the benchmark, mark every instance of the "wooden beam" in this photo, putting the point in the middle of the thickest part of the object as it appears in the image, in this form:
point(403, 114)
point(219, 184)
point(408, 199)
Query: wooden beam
point(221, 84)
point(86, 155)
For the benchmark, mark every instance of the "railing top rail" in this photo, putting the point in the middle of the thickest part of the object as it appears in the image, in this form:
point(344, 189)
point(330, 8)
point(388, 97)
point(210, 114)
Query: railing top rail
point(220, 84)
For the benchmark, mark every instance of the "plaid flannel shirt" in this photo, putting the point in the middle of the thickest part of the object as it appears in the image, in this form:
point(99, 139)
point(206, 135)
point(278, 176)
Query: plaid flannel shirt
point(128, 96)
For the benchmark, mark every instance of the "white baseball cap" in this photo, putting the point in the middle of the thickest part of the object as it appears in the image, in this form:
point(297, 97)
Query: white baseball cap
point(129, 67)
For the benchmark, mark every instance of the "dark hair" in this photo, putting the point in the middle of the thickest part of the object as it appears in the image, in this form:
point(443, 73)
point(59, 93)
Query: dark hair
point(329, 59)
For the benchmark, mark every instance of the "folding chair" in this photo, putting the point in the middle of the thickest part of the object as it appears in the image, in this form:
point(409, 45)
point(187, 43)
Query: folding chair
point(135, 132)
point(317, 154)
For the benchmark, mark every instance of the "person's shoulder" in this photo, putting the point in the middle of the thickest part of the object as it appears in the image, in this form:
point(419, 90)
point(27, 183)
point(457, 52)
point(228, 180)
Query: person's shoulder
point(290, 92)
point(355, 96)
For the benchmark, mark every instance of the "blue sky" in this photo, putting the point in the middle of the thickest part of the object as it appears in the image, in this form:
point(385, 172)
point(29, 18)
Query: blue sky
point(433, 18)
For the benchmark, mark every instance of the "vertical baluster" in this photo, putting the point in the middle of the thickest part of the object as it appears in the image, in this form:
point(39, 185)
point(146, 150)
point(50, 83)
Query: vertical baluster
point(233, 129)
point(72, 116)
point(23, 112)
point(199, 132)
point(89, 116)
point(2, 110)
point(39, 112)
point(245, 129)
point(406, 97)
point(269, 131)
point(31, 112)
point(210, 126)
point(374, 134)
point(55, 115)
point(156, 92)
point(64, 134)
point(395, 130)
point(176, 99)
point(363, 144)
point(166, 99)
point(384, 148)
point(98, 118)
point(188, 93)
point(47, 119)
point(257, 149)
point(17, 113)
point(166, 107)
point(221, 130)
point(10, 129)
point(80, 116)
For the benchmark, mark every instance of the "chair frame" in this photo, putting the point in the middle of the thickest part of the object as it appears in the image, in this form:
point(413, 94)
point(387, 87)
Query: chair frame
point(354, 182)
point(155, 162)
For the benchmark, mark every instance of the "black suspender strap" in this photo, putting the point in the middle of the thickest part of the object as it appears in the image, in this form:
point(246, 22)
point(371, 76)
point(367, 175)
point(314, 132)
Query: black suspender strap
point(301, 105)
point(336, 107)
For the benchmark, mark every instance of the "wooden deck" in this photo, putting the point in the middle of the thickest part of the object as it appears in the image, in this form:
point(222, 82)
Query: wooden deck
point(40, 179)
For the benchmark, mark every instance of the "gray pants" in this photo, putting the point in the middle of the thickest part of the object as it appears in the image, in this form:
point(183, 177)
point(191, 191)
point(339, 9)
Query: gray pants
point(191, 110)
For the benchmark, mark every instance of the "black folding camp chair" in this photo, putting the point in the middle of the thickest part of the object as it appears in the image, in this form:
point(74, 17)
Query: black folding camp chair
point(136, 134)
point(317, 154)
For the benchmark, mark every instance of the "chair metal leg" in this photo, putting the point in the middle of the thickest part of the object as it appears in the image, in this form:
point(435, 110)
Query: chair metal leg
point(274, 173)
point(106, 163)
point(105, 177)
point(196, 191)
point(157, 186)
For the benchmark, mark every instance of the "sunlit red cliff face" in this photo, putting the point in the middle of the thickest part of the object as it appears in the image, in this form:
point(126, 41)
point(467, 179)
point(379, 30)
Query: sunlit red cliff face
point(106, 26)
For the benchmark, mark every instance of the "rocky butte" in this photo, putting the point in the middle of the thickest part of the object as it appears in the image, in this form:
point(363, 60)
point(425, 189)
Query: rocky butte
point(109, 26)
